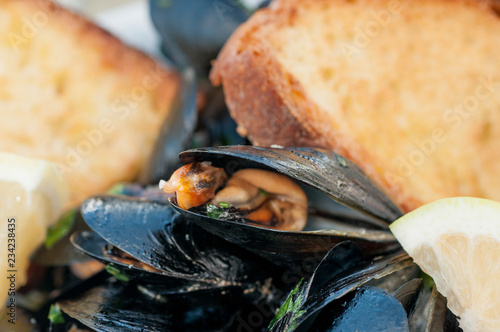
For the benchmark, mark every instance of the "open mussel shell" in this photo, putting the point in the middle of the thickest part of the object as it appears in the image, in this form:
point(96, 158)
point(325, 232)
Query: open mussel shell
point(351, 280)
point(284, 247)
point(324, 171)
point(155, 234)
point(94, 246)
point(337, 297)
point(116, 307)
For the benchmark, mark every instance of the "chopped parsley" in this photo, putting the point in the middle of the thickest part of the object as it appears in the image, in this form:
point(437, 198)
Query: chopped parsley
point(60, 229)
point(213, 211)
point(291, 307)
point(117, 189)
point(117, 273)
point(55, 315)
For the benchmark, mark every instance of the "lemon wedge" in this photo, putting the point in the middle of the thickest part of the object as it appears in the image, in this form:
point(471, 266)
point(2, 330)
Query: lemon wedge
point(33, 194)
point(457, 242)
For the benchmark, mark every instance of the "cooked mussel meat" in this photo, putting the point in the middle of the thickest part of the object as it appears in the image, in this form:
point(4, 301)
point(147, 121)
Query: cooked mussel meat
point(194, 184)
point(263, 197)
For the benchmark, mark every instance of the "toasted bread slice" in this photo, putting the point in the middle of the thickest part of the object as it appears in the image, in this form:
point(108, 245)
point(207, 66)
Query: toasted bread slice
point(408, 90)
point(73, 94)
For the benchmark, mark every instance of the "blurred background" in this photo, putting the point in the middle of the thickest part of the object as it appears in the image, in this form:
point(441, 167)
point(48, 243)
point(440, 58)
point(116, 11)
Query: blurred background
point(130, 19)
point(91, 7)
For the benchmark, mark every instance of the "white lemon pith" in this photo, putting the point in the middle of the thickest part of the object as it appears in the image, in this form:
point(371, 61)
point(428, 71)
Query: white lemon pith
point(457, 242)
point(33, 194)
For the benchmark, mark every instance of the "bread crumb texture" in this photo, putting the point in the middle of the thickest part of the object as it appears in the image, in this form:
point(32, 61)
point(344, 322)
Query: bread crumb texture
point(73, 94)
point(408, 90)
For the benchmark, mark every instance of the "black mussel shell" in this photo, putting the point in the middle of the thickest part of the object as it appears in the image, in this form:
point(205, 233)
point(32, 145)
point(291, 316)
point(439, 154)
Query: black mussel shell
point(405, 285)
point(323, 170)
point(354, 278)
point(409, 294)
point(365, 310)
point(217, 126)
point(176, 132)
point(193, 31)
point(284, 247)
point(343, 257)
point(307, 301)
point(116, 307)
point(439, 317)
point(93, 245)
point(155, 234)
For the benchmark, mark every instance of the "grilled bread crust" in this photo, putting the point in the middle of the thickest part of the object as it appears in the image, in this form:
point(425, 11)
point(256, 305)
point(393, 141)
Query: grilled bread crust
point(408, 90)
point(73, 94)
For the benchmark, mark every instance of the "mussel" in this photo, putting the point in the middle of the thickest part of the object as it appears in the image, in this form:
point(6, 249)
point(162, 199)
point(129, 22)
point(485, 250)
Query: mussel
point(263, 209)
point(190, 270)
point(188, 278)
point(362, 295)
point(153, 233)
point(193, 31)
point(118, 307)
point(176, 131)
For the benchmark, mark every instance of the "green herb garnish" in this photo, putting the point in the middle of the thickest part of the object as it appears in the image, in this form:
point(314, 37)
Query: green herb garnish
point(213, 211)
point(60, 229)
point(117, 189)
point(55, 315)
point(117, 273)
point(291, 306)
point(427, 279)
point(263, 192)
point(224, 205)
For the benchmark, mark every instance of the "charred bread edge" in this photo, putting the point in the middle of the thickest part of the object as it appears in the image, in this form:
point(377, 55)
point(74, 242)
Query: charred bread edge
point(260, 93)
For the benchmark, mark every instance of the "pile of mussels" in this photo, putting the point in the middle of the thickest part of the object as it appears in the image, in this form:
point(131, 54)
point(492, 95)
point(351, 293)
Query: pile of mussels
point(188, 270)
point(172, 266)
